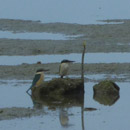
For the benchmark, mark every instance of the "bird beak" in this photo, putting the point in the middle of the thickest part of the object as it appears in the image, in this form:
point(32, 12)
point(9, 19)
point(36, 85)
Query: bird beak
point(46, 70)
point(71, 61)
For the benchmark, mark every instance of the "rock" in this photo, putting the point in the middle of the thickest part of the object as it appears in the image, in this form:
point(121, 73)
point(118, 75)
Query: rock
point(106, 92)
point(106, 87)
point(59, 90)
point(60, 87)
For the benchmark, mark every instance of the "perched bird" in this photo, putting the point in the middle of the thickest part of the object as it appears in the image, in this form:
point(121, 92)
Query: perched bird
point(64, 67)
point(38, 79)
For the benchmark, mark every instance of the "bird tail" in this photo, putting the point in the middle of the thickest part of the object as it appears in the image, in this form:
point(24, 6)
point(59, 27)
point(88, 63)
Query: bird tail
point(29, 89)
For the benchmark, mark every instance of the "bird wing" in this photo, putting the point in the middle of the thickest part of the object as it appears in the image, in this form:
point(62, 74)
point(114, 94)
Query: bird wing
point(35, 79)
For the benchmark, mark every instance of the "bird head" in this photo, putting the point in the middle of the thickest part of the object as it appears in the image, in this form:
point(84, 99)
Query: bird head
point(66, 61)
point(41, 70)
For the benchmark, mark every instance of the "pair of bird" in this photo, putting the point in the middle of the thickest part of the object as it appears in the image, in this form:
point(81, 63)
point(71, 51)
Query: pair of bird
point(39, 76)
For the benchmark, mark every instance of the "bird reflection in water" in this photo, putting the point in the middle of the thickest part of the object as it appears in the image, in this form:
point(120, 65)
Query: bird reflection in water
point(63, 117)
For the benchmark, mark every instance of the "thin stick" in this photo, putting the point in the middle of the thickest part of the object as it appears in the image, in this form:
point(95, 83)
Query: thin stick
point(82, 66)
point(82, 77)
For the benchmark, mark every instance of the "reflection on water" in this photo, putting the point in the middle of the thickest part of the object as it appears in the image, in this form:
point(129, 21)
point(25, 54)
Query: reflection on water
point(58, 101)
point(89, 58)
point(63, 104)
point(63, 117)
point(106, 99)
point(69, 115)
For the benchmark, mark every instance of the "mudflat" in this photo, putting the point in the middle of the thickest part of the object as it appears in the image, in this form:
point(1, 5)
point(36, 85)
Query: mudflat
point(99, 38)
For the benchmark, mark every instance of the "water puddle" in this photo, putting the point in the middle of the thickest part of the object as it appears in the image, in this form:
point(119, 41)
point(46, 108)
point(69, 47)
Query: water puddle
point(89, 58)
point(105, 117)
point(81, 12)
point(36, 36)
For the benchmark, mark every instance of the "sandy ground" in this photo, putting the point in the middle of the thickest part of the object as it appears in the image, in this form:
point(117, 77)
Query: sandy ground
point(100, 38)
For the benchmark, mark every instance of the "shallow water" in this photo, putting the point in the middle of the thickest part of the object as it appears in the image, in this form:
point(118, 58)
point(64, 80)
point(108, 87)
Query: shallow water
point(115, 116)
point(17, 88)
point(89, 58)
point(36, 36)
point(72, 11)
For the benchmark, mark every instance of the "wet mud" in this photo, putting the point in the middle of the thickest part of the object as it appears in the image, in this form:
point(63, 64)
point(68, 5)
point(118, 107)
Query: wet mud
point(99, 38)
point(18, 112)
point(27, 71)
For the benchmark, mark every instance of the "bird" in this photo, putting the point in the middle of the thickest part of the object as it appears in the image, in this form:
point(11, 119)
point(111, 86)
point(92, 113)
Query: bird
point(38, 78)
point(64, 67)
